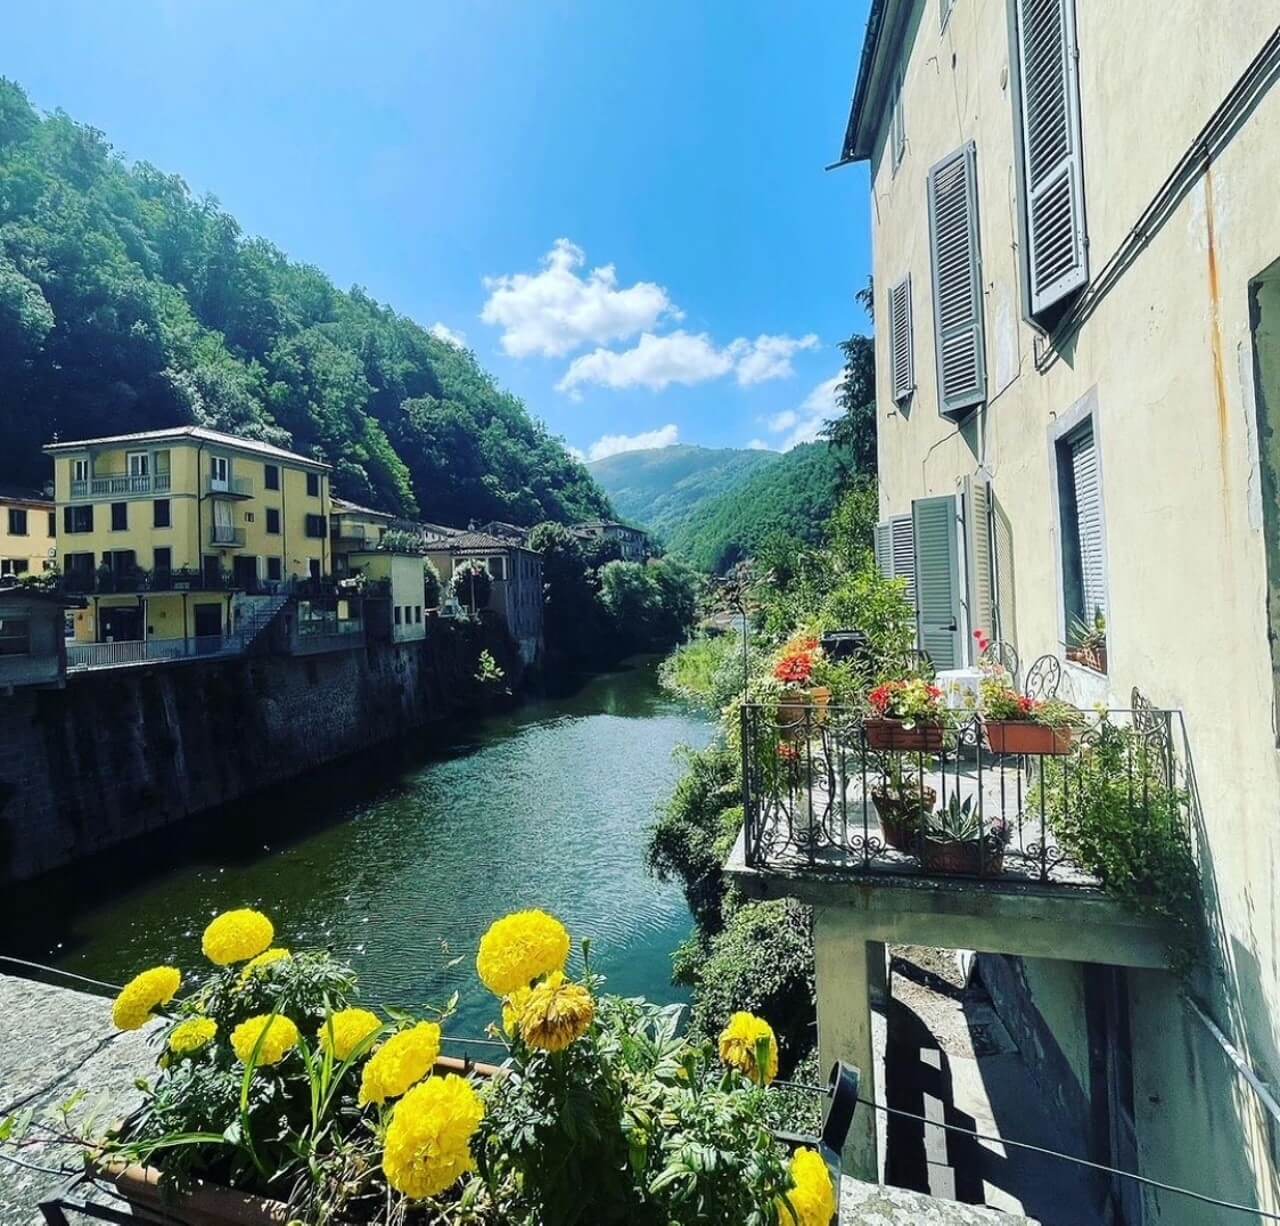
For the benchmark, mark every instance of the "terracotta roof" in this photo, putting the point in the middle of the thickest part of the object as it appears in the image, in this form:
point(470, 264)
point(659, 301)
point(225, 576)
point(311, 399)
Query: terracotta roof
point(200, 434)
point(470, 539)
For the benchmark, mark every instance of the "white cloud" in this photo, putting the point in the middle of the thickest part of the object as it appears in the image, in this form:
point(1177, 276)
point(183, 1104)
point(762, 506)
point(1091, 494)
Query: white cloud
point(442, 332)
point(615, 444)
point(656, 362)
point(801, 424)
point(768, 357)
point(758, 444)
point(557, 310)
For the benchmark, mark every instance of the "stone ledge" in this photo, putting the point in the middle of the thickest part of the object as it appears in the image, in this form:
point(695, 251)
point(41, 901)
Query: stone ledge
point(871, 1204)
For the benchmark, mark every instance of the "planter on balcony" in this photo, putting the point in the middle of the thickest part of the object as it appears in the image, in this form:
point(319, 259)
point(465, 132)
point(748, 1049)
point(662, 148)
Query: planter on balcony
point(968, 858)
point(794, 703)
point(894, 734)
point(1027, 737)
point(901, 815)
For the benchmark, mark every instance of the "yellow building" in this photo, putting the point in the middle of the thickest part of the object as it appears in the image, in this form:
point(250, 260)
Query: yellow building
point(354, 528)
point(161, 530)
point(27, 534)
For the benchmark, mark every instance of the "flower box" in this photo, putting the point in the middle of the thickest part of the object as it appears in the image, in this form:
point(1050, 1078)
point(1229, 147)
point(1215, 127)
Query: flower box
point(970, 858)
point(901, 816)
point(894, 734)
point(1010, 736)
point(210, 1204)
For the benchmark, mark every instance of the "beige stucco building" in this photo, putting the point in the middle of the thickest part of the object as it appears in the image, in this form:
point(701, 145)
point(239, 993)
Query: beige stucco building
point(1077, 306)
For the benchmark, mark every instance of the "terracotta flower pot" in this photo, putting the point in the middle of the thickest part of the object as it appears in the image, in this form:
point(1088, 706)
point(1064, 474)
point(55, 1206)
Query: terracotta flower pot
point(900, 817)
point(968, 859)
point(893, 734)
point(794, 706)
point(1013, 736)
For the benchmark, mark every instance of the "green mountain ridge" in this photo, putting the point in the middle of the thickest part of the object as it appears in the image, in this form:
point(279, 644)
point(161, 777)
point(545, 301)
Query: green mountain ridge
point(712, 509)
point(128, 304)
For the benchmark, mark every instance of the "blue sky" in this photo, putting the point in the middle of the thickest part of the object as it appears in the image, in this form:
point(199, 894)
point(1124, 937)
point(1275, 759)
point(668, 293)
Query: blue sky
point(475, 164)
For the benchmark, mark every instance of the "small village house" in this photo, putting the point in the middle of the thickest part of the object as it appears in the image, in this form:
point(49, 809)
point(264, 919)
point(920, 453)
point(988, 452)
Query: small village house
point(633, 542)
point(32, 639)
point(28, 534)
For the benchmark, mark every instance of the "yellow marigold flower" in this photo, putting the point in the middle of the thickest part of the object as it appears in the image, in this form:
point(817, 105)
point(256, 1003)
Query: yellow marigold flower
point(342, 1032)
point(267, 958)
point(280, 1036)
point(191, 1035)
point(405, 1058)
point(520, 948)
point(739, 1044)
point(556, 1013)
point(138, 997)
point(812, 1196)
point(513, 1007)
point(428, 1142)
point(236, 936)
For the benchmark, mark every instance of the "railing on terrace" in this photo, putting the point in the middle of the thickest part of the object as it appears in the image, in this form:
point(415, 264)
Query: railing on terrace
point(818, 795)
point(82, 657)
point(227, 536)
point(138, 579)
point(236, 487)
point(111, 484)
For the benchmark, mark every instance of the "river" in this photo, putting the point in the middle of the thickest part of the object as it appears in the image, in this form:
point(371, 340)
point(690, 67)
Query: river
point(398, 862)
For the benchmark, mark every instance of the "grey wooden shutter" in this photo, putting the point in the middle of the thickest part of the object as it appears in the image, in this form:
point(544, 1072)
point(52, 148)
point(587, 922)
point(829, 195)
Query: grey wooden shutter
point(1088, 508)
point(937, 579)
point(1057, 248)
point(884, 549)
point(1002, 562)
point(901, 348)
point(982, 583)
point(957, 282)
point(902, 548)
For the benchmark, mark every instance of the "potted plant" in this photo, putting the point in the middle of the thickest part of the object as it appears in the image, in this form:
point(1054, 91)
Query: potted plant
point(1087, 642)
point(906, 715)
point(902, 799)
point(795, 671)
point(955, 840)
point(1014, 723)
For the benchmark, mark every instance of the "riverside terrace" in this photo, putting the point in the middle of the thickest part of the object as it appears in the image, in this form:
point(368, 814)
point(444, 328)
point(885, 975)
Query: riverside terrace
point(826, 791)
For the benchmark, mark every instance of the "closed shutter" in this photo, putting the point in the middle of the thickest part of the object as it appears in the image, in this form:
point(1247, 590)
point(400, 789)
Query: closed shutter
point(957, 282)
point(901, 349)
point(1088, 508)
point(937, 579)
point(982, 584)
point(902, 545)
point(1057, 248)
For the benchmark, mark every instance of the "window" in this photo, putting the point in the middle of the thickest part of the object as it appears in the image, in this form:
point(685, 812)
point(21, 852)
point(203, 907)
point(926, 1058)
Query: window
point(53, 523)
point(14, 566)
point(80, 564)
point(1052, 170)
point(417, 613)
point(957, 283)
point(15, 636)
point(901, 348)
point(160, 513)
point(313, 568)
point(275, 569)
point(162, 559)
point(79, 470)
point(397, 614)
point(316, 527)
point(77, 519)
point(898, 125)
point(271, 476)
point(273, 521)
point(313, 485)
point(119, 517)
point(248, 517)
point(17, 522)
point(1082, 544)
point(498, 567)
point(219, 469)
point(139, 464)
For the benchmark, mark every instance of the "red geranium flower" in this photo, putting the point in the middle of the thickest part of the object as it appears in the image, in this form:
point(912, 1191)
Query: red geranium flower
point(794, 670)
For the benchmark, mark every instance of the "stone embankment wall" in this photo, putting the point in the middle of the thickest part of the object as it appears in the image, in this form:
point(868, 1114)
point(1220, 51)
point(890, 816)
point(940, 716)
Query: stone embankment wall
point(123, 752)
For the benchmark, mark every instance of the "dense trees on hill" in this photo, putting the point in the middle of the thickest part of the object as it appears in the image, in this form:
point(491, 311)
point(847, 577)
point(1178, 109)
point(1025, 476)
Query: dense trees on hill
point(128, 304)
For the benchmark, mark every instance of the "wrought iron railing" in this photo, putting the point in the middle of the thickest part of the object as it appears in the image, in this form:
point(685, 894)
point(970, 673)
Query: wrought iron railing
point(819, 794)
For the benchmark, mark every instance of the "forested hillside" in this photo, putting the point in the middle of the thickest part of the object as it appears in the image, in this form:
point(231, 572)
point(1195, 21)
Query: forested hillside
point(128, 304)
point(795, 496)
point(662, 487)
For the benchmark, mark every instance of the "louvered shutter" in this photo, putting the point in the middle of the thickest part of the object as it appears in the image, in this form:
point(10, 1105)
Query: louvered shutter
point(902, 546)
point(957, 282)
point(1088, 500)
point(937, 579)
point(1057, 250)
point(1002, 561)
point(898, 125)
point(884, 549)
point(901, 349)
point(982, 584)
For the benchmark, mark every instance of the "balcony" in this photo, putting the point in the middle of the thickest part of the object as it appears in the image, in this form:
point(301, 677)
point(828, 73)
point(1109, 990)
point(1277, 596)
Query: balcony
point(107, 582)
point(117, 485)
point(821, 801)
point(224, 536)
point(86, 657)
point(229, 487)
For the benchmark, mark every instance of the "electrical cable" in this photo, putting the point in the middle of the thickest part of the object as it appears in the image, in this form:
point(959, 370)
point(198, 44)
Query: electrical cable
point(53, 970)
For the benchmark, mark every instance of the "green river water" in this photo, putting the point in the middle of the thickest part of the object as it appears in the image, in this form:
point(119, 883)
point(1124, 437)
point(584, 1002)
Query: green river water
point(399, 861)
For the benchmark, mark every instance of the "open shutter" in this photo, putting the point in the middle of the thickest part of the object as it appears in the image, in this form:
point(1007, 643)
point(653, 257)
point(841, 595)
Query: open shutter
point(884, 549)
point(1002, 560)
point(937, 579)
point(1088, 499)
point(902, 545)
point(982, 583)
point(901, 349)
point(957, 283)
point(1057, 249)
